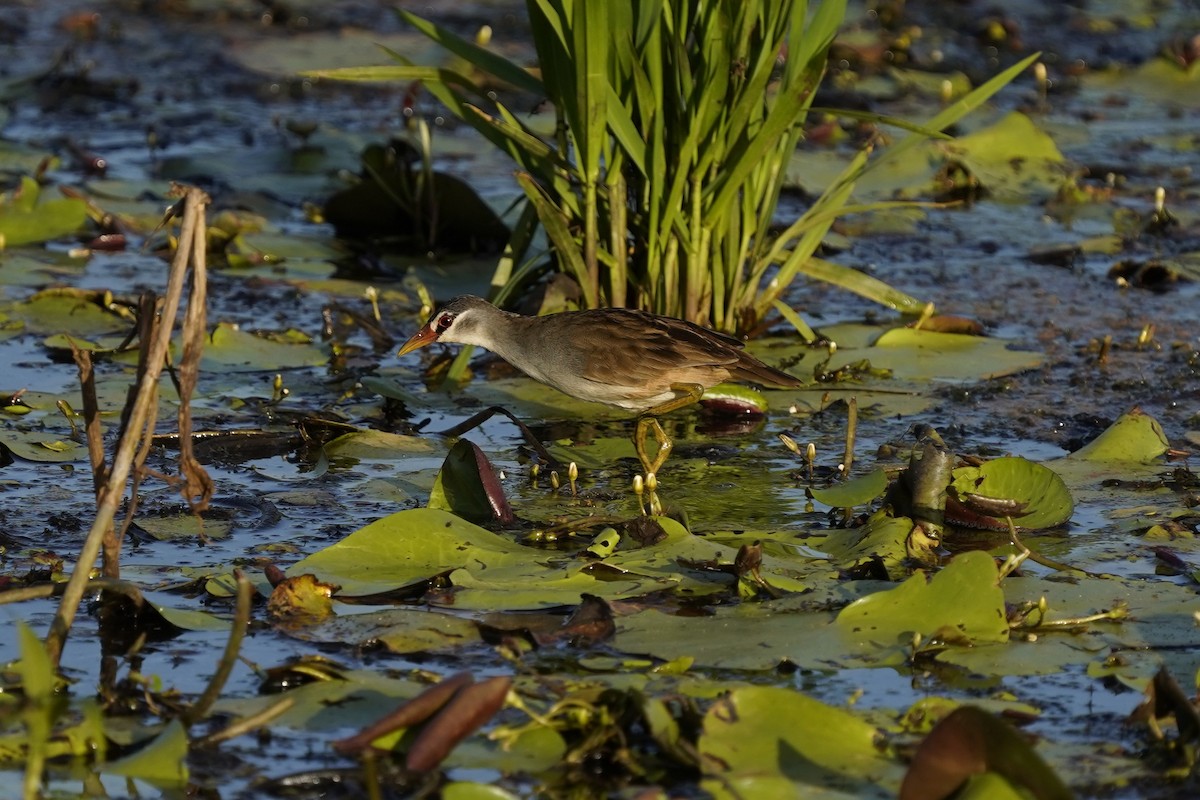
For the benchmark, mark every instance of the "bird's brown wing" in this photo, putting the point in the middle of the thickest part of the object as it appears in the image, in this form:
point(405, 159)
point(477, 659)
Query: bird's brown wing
point(640, 354)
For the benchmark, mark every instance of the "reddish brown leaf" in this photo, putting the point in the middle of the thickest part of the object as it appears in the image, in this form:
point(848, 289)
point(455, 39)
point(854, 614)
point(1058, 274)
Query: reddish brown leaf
point(406, 715)
point(471, 708)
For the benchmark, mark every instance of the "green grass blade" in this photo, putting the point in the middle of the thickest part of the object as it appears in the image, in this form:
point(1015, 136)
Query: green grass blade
point(956, 111)
point(554, 221)
point(478, 56)
point(861, 284)
point(797, 322)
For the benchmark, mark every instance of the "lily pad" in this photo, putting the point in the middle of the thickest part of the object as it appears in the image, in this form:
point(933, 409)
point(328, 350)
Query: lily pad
point(162, 762)
point(862, 489)
point(372, 444)
point(70, 311)
point(962, 602)
point(1135, 437)
point(399, 630)
point(764, 741)
point(405, 548)
point(43, 446)
point(183, 526)
point(1013, 159)
point(929, 355)
point(1042, 497)
point(230, 349)
point(26, 218)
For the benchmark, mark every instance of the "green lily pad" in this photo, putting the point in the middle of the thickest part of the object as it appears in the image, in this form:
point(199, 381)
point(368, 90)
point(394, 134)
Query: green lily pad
point(462, 790)
point(746, 637)
point(43, 446)
point(862, 489)
point(930, 355)
point(1013, 159)
point(399, 630)
point(26, 218)
point(405, 548)
point(762, 741)
point(183, 527)
point(372, 444)
point(230, 349)
point(162, 762)
point(1135, 436)
point(37, 268)
point(1043, 497)
point(70, 311)
point(532, 586)
point(963, 600)
point(882, 536)
point(192, 620)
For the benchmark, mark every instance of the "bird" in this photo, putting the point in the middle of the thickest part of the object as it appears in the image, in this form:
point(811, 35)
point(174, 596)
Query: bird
point(621, 357)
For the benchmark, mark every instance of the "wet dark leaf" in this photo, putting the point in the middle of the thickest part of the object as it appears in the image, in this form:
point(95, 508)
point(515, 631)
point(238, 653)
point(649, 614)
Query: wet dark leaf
point(471, 707)
point(406, 715)
point(467, 486)
point(970, 741)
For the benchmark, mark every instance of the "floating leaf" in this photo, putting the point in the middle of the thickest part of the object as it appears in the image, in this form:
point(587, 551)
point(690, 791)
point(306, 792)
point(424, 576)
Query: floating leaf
point(230, 349)
point(406, 548)
point(1135, 436)
point(964, 599)
point(748, 636)
point(43, 446)
point(189, 619)
point(461, 790)
point(399, 630)
point(184, 526)
point(26, 218)
point(883, 537)
point(858, 491)
point(373, 444)
point(71, 311)
point(1013, 159)
point(971, 742)
point(773, 742)
point(162, 762)
point(1040, 494)
point(928, 355)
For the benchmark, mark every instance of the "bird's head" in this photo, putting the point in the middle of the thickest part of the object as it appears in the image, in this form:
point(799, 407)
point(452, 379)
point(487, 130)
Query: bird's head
point(461, 321)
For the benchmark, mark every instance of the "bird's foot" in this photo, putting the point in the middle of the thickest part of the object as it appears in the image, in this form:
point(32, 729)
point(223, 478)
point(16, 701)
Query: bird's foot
point(651, 466)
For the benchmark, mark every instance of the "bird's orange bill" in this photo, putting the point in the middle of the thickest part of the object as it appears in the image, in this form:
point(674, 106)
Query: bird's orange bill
point(419, 339)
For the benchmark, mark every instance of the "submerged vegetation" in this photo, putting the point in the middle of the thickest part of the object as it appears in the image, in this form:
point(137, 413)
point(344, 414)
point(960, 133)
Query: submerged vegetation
point(954, 565)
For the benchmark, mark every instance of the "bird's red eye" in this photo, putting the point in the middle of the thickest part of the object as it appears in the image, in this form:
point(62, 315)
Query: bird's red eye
point(442, 323)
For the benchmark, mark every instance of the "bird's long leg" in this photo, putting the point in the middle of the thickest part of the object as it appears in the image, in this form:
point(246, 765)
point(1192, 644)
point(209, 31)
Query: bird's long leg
point(647, 422)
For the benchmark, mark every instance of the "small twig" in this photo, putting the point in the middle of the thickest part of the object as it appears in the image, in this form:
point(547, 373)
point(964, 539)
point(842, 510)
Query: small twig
point(247, 724)
point(851, 431)
point(1036, 557)
point(483, 416)
point(241, 620)
point(1115, 614)
point(30, 593)
point(197, 486)
point(91, 416)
